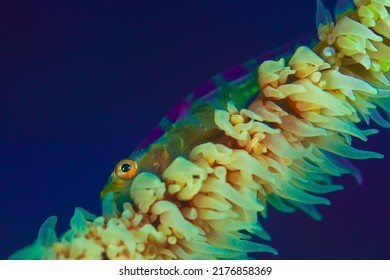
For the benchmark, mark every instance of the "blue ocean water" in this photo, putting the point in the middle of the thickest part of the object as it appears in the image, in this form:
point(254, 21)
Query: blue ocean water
point(81, 84)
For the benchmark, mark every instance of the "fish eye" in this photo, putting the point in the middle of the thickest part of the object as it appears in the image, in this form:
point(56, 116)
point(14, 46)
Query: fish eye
point(126, 169)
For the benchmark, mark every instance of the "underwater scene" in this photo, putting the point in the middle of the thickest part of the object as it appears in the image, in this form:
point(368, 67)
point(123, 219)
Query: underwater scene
point(195, 130)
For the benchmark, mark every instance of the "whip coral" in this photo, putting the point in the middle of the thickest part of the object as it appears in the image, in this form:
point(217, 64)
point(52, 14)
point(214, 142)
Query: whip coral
point(273, 137)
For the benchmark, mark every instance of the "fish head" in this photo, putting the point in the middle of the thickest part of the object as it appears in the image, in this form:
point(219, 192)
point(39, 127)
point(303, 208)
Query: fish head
point(121, 178)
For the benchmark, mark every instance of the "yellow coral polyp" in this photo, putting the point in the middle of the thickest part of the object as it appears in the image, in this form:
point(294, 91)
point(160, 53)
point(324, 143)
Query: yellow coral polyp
point(146, 190)
point(186, 176)
point(273, 73)
point(307, 63)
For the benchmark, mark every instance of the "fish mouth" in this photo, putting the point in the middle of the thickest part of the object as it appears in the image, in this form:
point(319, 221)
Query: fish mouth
point(105, 191)
point(115, 185)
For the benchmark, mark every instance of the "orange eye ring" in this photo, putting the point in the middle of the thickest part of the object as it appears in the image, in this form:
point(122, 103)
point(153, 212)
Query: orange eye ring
point(126, 169)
